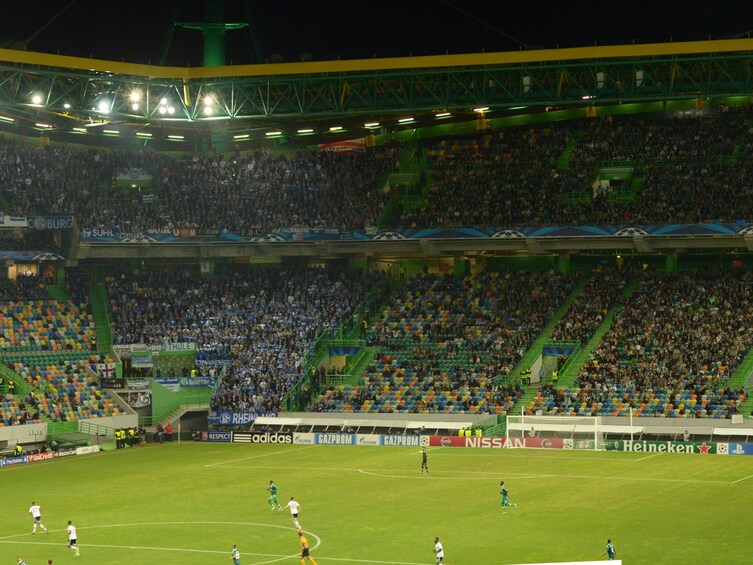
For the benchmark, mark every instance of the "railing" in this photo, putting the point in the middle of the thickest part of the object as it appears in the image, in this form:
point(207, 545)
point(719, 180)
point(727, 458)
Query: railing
point(179, 403)
point(92, 429)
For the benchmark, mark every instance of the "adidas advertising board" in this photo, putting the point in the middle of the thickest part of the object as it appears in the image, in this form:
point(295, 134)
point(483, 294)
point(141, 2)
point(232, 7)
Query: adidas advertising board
point(263, 437)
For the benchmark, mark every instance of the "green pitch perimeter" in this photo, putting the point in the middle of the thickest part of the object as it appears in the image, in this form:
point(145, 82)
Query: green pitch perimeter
point(189, 503)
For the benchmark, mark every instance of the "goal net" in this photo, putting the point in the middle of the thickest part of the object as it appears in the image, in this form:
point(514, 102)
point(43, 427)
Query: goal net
point(583, 431)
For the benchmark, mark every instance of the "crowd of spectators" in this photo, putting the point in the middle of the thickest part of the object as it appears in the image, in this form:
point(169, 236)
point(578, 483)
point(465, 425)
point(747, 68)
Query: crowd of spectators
point(669, 352)
point(259, 321)
point(63, 390)
point(690, 166)
point(593, 303)
point(445, 341)
point(243, 193)
point(694, 167)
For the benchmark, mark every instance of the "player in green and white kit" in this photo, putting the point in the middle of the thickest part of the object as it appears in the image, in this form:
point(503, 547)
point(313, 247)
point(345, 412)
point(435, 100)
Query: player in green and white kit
point(504, 500)
point(273, 503)
point(609, 551)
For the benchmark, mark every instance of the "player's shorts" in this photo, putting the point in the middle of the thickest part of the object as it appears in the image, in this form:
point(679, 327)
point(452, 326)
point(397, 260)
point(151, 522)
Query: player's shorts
point(295, 515)
point(37, 518)
point(439, 560)
point(305, 552)
point(71, 542)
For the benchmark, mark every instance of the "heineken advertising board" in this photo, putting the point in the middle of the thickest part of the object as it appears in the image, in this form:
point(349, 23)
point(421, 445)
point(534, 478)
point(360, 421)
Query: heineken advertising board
point(641, 446)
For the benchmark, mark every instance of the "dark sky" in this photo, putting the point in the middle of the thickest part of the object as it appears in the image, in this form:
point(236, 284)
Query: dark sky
point(140, 31)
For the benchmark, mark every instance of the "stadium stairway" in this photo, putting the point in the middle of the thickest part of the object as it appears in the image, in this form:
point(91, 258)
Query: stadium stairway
point(538, 345)
point(563, 162)
point(742, 379)
point(57, 292)
point(99, 300)
point(567, 379)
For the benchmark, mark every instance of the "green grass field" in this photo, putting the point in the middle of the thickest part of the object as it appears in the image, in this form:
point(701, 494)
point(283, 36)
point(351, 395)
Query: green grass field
point(188, 503)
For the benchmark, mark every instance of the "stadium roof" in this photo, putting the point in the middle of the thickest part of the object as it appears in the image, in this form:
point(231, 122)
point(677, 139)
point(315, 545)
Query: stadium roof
point(314, 101)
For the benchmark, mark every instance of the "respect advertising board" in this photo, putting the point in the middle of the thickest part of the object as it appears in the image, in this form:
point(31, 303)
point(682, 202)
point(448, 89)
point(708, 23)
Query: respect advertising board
point(216, 437)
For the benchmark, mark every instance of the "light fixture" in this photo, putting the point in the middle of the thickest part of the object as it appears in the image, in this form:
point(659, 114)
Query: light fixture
point(269, 133)
point(135, 96)
point(208, 101)
point(170, 110)
point(143, 134)
point(7, 119)
point(208, 111)
point(163, 101)
point(587, 97)
point(67, 106)
point(405, 120)
point(443, 115)
point(481, 110)
point(80, 130)
point(162, 110)
point(111, 131)
point(307, 130)
point(335, 128)
point(41, 125)
point(371, 125)
point(517, 107)
point(241, 136)
point(135, 106)
point(177, 137)
point(104, 106)
point(36, 99)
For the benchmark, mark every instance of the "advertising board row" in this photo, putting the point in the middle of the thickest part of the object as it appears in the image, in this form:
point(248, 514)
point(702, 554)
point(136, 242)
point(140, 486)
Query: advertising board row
point(36, 457)
point(634, 446)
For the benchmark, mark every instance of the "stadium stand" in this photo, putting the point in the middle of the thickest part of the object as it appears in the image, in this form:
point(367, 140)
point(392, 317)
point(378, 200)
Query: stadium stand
point(444, 342)
point(669, 353)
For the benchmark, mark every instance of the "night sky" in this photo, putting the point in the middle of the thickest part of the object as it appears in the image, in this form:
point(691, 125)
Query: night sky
point(139, 31)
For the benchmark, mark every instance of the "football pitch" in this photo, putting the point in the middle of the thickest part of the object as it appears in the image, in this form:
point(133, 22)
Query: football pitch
point(189, 503)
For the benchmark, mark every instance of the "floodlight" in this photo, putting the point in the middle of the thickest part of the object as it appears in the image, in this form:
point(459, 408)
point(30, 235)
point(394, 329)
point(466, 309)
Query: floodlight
point(36, 99)
point(371, 125)
point(208, 110)
point(135, 107)
point(67, 106)
point(170, 110)
point(162, 110)
point(163, 101)
point(104, 106)
point(135, 96)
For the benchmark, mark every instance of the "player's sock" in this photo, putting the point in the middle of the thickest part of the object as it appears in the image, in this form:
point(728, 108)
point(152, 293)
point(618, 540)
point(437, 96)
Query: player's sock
point(312, 560)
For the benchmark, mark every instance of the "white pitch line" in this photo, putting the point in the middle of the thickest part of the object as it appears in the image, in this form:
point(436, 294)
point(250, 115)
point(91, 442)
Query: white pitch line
point(646, 457)
point(275, 557)
point(227, 463)
point(211, 551)
point(741, 480)
point(545, 476)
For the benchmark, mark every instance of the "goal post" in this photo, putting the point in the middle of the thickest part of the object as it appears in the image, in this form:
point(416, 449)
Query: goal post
point(586, 430)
